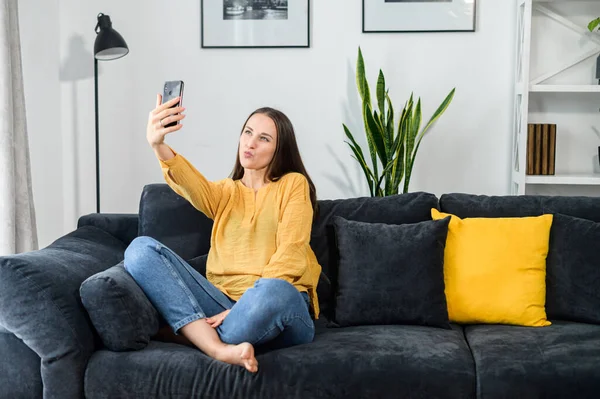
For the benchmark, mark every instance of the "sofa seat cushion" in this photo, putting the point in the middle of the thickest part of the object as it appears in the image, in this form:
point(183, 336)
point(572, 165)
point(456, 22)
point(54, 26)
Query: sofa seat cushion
point(357, 362)
point(558, 361)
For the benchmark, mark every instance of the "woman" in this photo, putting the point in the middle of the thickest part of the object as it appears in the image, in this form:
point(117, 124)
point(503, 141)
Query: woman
point(261, 273)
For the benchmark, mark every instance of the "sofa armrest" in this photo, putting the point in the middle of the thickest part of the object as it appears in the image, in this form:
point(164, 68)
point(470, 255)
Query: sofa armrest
point(19, 369)
point(124, 226)
point(41, 305)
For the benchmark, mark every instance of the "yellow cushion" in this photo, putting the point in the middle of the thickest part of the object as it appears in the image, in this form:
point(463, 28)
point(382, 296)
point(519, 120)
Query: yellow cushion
point(495, 269)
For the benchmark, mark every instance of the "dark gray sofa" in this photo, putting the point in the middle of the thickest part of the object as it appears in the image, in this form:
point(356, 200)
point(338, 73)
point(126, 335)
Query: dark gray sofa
point(49, 346)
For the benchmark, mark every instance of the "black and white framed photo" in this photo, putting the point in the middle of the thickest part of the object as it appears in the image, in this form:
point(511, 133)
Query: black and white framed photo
point(418, 16)
point(255, 23)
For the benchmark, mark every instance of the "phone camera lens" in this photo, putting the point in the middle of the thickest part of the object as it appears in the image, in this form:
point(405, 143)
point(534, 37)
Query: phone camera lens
point(170, 92)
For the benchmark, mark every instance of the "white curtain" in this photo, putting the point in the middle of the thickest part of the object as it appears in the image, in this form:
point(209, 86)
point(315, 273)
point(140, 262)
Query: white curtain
point(18, 232)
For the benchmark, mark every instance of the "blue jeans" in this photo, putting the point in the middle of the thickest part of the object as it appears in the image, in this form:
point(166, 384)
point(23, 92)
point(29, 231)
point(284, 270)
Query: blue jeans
point(272, 311)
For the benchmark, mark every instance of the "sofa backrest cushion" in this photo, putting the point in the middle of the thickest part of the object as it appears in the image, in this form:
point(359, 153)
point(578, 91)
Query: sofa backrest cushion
point(172, 220)
point(469, 205)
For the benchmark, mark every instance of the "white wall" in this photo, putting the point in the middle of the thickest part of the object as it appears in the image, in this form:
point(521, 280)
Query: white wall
point(467, 151)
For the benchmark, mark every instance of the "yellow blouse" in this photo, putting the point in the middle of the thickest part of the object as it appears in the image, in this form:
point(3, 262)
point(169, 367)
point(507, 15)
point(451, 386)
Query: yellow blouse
point(254, 235)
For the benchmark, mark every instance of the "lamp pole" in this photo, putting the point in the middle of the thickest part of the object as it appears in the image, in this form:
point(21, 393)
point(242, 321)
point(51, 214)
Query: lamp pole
point(97, 137)
point(109, 45)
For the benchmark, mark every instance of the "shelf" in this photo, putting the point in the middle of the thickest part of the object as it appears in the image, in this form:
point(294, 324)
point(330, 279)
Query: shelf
point(565, 88)
point(575, 179)
point(533, 16)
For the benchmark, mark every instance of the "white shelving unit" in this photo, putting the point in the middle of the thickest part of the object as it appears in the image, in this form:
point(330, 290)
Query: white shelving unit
point(524, 85)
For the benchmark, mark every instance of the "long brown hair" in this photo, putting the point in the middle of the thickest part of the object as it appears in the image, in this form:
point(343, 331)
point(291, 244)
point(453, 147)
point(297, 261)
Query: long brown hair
point(286, 158)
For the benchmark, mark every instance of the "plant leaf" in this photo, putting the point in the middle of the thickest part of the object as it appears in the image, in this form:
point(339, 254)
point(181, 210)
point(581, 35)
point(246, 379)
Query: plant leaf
point(593, 24)
point(399, 161)
point(375, 131)
point(413, 132)
point(361, 160)
point(351, 137)
point(410, 167)
point(371, 144)
point(387, 168)
point(381, 96)
point(377, 120)
point(381, 129)
point(441, 109)
point(389, 128)
point(361, 80)
point(360, 157)
point(417, 119)
point(409, 136)
point(364, 171)
point(389, 143)
point(398, 169)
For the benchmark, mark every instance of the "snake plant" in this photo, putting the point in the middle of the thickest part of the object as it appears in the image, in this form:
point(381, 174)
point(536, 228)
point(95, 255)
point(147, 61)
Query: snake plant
point(392, 151)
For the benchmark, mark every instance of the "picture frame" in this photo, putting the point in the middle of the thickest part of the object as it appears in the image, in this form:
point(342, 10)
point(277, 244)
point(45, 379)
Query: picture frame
point(255, 23)
point(385, 16)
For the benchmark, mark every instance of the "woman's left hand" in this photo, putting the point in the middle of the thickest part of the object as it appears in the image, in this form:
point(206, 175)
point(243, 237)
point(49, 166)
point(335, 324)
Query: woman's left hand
point(216, 320)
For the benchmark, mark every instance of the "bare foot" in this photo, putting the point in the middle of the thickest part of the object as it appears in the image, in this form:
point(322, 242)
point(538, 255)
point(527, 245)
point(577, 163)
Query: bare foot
point(242, 355)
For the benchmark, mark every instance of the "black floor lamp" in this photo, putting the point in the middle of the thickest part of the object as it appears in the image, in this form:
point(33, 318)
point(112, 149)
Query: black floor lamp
point(109, 45)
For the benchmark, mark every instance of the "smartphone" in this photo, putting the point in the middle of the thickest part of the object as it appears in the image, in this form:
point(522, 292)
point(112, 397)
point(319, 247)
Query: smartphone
point(172, 89)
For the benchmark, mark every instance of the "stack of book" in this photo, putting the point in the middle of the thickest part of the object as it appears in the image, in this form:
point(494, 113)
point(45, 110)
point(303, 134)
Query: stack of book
point(541, 148)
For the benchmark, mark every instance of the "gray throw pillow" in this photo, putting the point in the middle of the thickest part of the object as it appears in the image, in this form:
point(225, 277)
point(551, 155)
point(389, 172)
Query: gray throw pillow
point(391, 274)
point(393, 209)
point(119, 310)
point(121, 313)
point(573, 270)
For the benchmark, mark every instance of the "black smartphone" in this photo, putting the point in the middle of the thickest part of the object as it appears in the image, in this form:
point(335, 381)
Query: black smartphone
point(172, 89)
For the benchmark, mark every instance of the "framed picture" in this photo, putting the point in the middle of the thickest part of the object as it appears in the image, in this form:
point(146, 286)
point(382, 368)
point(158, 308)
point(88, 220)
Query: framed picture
point(418, 16)
point(255, 23)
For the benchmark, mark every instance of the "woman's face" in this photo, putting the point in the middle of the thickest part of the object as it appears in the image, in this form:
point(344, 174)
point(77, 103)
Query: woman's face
point(258, 142)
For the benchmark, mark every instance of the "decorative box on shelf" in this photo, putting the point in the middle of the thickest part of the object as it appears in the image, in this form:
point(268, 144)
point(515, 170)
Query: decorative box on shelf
point(541, 148)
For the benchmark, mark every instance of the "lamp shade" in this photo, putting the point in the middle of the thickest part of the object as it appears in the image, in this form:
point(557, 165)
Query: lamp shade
point(109, 44)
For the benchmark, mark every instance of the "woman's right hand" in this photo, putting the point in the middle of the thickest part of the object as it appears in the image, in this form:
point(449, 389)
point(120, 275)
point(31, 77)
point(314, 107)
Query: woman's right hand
point(160, 116)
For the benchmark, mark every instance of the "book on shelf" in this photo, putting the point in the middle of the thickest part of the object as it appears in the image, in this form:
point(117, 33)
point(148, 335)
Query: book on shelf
point(541, 148)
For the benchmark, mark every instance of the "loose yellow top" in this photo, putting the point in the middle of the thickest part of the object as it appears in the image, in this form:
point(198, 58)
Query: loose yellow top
point(255, 234)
